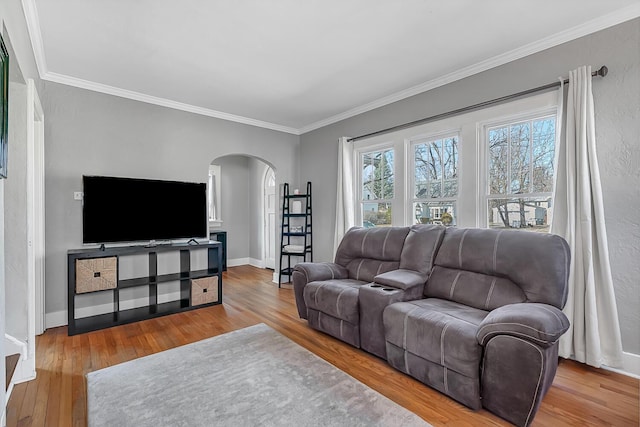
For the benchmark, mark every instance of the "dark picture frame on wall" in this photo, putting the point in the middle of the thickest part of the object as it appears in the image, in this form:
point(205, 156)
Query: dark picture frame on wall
point(4, 107)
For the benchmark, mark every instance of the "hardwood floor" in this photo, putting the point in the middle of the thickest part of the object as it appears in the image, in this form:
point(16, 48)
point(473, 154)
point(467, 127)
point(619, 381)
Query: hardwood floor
point(580, 395)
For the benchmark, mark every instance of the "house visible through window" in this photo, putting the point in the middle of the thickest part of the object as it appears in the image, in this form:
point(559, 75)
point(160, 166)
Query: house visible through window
point(520, 172)
point(491, 167)
point(435, 183)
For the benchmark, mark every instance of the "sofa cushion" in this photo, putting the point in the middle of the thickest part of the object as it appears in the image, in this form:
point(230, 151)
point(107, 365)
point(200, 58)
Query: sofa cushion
point(478, 290)
point(537, 263)
point(337, 298)
point(420, 247)
point(441, 331)
point(365, 269)
point(367, 252)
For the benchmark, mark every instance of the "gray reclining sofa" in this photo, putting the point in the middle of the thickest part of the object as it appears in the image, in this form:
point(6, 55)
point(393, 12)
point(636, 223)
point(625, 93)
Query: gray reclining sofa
point(473, 313)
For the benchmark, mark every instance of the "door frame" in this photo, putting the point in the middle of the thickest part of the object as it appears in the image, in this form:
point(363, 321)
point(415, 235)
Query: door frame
point(35, 216)
point(265, 237)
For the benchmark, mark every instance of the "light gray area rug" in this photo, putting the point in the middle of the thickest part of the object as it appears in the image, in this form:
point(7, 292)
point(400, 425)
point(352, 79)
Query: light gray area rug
point(250, 377)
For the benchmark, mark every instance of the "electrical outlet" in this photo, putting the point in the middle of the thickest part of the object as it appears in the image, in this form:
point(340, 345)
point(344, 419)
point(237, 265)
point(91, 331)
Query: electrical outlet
point(77, 195)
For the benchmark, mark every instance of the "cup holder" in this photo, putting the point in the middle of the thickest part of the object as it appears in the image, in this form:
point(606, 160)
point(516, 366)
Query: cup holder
point(388, 289)
point(376, 286)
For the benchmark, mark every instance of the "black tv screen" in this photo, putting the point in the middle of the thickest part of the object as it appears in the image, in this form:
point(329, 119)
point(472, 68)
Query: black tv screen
point(130, 210)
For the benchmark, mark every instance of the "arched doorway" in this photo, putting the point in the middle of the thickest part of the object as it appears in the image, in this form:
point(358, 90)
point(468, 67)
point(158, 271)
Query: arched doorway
point(245, 190)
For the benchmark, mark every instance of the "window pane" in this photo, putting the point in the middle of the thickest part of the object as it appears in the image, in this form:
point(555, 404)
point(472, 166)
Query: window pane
point(436, 169)
point(387, 175)
point(450, 167)
point(377, 175)
point(531, 214)
point(544, 135)
point(367, 177)
point(498, 160)
point(520, 158)
point(421, 171)
point(434, 213)
point(376, 214)
point(434, 154)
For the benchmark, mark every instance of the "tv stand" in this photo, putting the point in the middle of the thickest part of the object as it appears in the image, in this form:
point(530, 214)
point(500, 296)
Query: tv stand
point(98, 271)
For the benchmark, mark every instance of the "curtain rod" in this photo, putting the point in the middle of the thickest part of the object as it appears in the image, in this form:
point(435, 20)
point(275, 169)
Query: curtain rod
point(601, 72)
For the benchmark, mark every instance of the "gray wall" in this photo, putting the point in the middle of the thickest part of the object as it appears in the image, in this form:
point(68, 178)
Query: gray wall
point(234, 198)
point(256, 217)
point(617, 127)
point(16, 296)
point(92, 133)
point(241, 199)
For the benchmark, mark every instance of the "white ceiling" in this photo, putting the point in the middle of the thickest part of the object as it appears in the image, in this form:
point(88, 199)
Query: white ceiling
point(294, 65)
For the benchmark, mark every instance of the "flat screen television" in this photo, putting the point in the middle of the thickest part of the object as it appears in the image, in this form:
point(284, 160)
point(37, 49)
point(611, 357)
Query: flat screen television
point(133, 210)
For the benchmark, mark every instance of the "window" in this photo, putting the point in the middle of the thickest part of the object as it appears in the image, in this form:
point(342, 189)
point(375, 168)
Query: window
point(213, 189)
point(435, 180)
point(377, 187)
point(491, 167)
point(520, 171)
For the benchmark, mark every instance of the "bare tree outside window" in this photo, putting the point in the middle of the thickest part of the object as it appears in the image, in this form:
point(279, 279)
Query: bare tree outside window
point(435, 180)
point(520, 173)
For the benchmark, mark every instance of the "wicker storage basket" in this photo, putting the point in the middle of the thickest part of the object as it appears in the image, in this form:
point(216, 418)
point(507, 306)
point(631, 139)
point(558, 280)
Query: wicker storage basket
point(96, 274)
point(204, 290)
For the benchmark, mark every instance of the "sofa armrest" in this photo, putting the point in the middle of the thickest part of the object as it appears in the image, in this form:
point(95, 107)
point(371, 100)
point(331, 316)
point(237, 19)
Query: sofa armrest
point(541, 324)
point(306, 272)
point(401, 279)
point(313, 271)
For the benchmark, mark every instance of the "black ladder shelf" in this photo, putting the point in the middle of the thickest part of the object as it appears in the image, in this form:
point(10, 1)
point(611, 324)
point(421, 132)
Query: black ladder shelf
point(296, 238)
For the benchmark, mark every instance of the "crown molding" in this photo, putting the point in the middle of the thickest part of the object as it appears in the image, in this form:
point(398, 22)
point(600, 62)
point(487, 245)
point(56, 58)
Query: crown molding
point(137, 96)
point(33, 28)
point(605, 21)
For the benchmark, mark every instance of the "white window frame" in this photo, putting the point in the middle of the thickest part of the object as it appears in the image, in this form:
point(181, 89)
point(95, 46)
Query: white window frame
point(470, 203)
point(360, 151)
point(483, 158)
point(214, 205)
point(411, 199)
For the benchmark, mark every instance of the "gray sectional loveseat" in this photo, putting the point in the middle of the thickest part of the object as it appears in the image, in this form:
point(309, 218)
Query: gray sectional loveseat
point(473, 313)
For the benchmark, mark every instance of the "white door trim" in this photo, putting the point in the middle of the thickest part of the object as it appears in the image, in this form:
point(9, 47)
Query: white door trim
point(35, 217)
point(269, 235)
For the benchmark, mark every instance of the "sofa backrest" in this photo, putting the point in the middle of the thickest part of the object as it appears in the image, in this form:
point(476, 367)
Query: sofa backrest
point(367, 252)
point(486, 268)
point(420, 247)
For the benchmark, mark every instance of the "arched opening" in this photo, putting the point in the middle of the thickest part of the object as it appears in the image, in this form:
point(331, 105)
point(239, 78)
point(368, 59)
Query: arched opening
point(243, 202)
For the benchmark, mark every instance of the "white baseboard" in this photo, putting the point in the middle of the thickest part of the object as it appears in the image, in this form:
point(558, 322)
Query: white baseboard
point(238, 261)
point(256, 262)
point(55, 319)
point(630, 365)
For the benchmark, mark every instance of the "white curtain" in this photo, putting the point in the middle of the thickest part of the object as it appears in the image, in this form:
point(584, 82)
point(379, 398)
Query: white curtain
point(345, 209)
point(578, 216)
